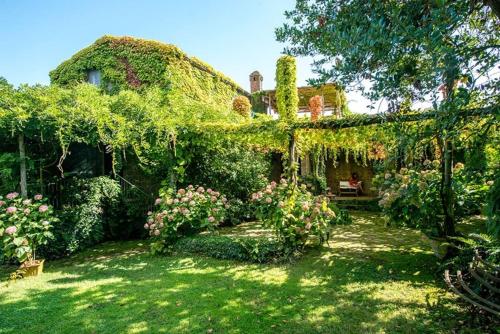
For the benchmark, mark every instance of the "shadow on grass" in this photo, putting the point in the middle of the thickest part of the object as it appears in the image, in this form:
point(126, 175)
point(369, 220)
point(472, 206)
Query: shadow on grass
point(363, 282)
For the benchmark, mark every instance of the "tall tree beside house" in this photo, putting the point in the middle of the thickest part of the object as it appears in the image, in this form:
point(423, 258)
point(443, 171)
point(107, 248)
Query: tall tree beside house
point(407, 51)
point(287, 97)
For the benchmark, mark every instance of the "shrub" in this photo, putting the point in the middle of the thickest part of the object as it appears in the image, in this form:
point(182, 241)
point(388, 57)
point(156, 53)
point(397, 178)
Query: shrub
point(411, 197)
point(232, 169)
point(25, 224)
point(186, 212)
point(287, 97)
point(86, 214)
point(242, 105)
point(258, 250)
point(293, 213)
point(315, 107)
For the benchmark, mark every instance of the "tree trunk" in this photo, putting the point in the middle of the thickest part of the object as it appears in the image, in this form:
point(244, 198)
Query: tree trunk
point(292, 164)
point(22, 161)
point(447, 196)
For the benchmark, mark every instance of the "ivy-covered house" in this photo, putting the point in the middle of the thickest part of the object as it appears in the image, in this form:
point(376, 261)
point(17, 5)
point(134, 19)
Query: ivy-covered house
point(126, 62)
point(115, 63)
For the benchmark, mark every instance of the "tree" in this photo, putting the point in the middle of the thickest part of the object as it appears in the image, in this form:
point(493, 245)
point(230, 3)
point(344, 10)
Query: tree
point(406, 51)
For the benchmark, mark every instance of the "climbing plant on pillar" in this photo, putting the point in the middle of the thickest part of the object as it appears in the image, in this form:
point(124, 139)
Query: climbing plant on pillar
point(287, 99)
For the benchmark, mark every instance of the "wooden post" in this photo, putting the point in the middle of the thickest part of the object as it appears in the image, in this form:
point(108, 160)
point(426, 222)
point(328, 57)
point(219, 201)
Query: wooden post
point(292, 165)
point(22, 161)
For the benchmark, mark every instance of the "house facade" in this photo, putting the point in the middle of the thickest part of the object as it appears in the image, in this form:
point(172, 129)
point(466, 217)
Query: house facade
point(334, 100)
point(334, 104)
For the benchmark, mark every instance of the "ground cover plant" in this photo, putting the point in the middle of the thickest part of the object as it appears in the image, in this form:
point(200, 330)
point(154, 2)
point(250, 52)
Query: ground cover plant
point(369, 278)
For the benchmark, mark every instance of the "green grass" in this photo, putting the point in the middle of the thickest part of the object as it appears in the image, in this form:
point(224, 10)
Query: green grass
point(369, 279)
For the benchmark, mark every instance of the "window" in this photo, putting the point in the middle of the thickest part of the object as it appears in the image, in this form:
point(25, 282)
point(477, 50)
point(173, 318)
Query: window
point(94, 77)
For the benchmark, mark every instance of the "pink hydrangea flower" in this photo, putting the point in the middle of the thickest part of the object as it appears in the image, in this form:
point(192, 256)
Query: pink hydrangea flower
point(12, 195)
point(211, 219)
point(157, 232)
point(169, 201)
point(11, 209)
point(269, 200)
point(281, 204)
point(308, 226)
point(43, 208)
point(181, 191)
point(158, 201)
point(27, 202)
point(38, 197)
point(190, 187)
point(26, 211)
point(305, 206)
point(192, 203)
point(2, 203)
point(200, 190)
point(11, 230)
point(146, 226)
point(213, 199)
point(150, 213)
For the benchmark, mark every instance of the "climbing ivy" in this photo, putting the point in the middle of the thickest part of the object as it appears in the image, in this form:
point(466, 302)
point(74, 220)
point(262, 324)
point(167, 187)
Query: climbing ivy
point(131, 63)
point(287, 99)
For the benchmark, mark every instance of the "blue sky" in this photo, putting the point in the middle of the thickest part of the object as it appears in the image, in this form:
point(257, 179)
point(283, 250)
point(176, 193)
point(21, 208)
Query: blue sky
point(236, 37)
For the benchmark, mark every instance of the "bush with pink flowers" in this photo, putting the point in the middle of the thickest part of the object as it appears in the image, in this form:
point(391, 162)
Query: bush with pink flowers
point(25, 224)
point(293, 213)
point(185, 212)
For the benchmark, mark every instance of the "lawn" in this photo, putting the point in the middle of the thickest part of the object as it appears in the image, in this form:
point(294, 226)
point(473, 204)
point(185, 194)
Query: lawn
point(369, 279)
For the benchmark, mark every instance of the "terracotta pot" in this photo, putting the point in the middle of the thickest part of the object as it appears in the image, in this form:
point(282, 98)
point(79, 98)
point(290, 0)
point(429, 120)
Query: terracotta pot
point(32, 268)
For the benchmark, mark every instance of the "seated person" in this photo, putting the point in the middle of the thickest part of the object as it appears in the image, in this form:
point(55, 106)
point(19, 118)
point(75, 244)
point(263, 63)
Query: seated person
point(355, 182)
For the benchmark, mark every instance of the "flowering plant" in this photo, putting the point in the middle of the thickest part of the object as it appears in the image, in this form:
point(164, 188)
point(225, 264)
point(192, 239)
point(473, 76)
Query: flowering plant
point(293, 213)
point(411, 197)
point(25, 224)
point(184, 212)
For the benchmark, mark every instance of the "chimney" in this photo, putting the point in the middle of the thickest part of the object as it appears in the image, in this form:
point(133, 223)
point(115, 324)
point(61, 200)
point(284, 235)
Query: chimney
point(255, 82)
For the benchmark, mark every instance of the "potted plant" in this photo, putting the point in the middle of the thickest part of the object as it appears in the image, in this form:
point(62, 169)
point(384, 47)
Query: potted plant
point(25, 224)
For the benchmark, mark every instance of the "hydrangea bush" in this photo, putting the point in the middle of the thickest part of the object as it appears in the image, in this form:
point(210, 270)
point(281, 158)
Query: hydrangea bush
point(184, 212)
point(293, 213)
point(411, 197)
point(25, 224)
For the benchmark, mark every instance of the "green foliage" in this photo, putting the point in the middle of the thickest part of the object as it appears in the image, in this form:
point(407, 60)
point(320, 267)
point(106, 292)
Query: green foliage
point(9, 172)
point(132, 63)
point(25, 224)
point(241, 104)
point(294, 214)
point(258, 250)
point(493, 208)
point(235, 170)
point(411, 197)
point(287, 98)
point(488, 248)
point(87, 210)
point(186, 212)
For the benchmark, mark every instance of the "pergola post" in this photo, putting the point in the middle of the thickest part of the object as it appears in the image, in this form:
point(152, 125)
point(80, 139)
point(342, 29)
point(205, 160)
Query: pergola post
point(292, 158)
point(22, 165)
